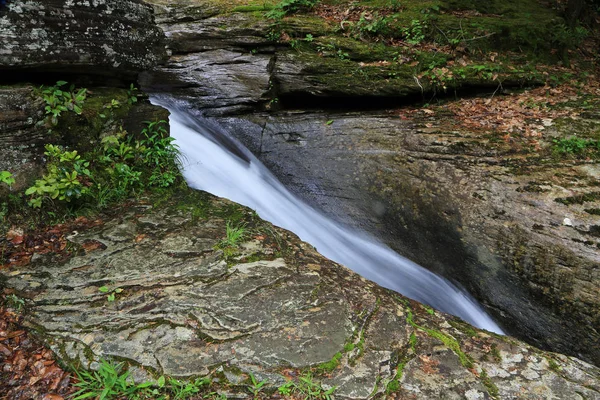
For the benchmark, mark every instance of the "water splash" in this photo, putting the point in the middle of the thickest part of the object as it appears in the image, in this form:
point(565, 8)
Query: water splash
point(216, 163)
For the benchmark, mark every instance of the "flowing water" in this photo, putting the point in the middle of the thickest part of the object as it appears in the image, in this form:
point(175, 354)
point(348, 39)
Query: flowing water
point(216, 163)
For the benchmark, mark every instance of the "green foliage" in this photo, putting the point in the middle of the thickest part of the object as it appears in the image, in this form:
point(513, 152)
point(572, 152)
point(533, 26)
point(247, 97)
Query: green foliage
point(132, 96)
point(67, 173)
point(7, 178)
point(15, 302)
point(285, 7)
point(235, 234)
point(395, 5)
point(183, 390)
point(111, 294)
point(159, 153)
point(374, 25)
point(256, 387)
point(121, 167)
point(569, 38)
point(59, 100)
point(114, 104)
point(415, 33)
point(109, 382)
point(576, 146)
point(306, 388)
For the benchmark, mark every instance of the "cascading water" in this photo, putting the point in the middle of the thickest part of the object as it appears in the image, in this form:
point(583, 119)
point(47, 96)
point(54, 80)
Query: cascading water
point(216, 163)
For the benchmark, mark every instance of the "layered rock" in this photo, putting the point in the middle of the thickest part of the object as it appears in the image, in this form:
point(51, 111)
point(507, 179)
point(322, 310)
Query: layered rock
point(272, 307)
point(445, 197)
point(107, 37)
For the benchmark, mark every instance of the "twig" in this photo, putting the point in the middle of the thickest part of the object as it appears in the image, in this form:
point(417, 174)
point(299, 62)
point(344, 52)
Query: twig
point(442, 32)
point(418, 83)
point(480, 37)
point(499, 86)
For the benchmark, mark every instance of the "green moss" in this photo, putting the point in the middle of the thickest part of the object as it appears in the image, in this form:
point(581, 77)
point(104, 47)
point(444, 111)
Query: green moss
point(252, 8)
point(553, 365)
point(579, 199)
point(448, 341)
point(392, 386)
point(464, 328)
point(496, 353)
point(489, 385)
point(412, 341)
point(329, 366)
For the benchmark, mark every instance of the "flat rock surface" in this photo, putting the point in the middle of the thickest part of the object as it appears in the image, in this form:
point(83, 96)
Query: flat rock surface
point(270, 306)
point(105, 36)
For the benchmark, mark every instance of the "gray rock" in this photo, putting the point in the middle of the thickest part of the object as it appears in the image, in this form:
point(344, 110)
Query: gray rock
point(446, 199)
point(184, 310)
point(105, 37)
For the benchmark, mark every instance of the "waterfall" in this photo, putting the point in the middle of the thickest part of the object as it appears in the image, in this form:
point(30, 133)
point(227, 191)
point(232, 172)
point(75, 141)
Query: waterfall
point(214, 162)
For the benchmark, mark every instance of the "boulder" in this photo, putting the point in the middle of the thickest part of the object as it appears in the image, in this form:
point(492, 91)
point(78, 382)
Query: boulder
point(104, 37)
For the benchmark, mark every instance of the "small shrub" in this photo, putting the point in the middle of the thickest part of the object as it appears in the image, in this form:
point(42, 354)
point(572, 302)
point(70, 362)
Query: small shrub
point(65, 178)
point(575, 146)
point(7, 178)
point(160, 153)
point(373, 25)
point(415, 33)
point(565, 37)
point(286, 7)
point(59, 100)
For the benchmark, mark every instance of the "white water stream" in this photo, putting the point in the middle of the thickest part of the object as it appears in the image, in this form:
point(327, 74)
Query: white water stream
point(210, 166)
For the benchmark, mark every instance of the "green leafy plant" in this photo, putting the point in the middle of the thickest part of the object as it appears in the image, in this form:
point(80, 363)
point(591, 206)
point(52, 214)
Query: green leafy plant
point(307, 388)
point(569, 38)
point(373, 25)
point(64, 180)
point(110, 381)
point(114, 104)
point(15, 302)
point(7, 178)
point(285, 7)
point(286, 389)
point(132, 96)
point(234, 235)
point(576, 146)
point(415, 33)
point(183, 390)
point(160, 153)
point(395, 5)
point(257, 386)
point(59, 100)
point(111, 294)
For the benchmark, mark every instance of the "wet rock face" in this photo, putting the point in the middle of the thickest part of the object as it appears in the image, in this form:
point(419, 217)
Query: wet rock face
point(180, 308)
point(20, 136)
point(92, 37)
point(465, 215)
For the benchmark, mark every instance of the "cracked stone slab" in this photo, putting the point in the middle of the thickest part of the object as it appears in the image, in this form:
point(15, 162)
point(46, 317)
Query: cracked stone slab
point(184, 309)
